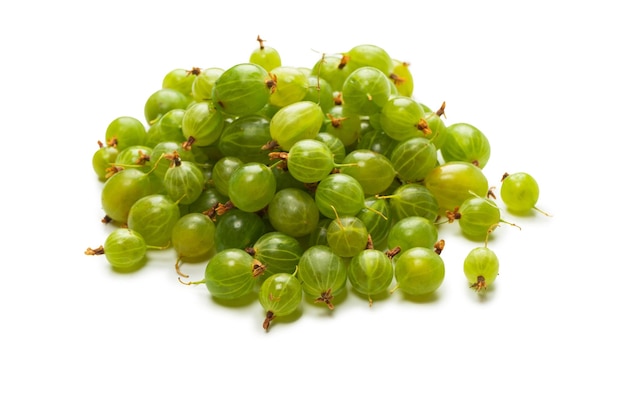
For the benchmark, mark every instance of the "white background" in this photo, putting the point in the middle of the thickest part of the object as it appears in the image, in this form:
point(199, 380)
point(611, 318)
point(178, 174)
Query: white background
point(544, 80)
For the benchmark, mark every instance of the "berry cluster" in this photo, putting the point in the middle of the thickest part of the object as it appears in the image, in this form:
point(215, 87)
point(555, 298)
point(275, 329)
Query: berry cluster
point(298, 182)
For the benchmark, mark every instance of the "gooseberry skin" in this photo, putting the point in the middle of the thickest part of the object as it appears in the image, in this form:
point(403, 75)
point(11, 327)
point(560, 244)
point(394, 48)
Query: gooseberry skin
point(125, 131)
point(402, 77)
point(229, 275)
point(346, 127)
point(419, 271)
point(168, 128)
point(154, 217)
point(401, 118)
point(222, 170)
point(245, 137)
point(252, 186)
point(310, 160)
point(293, 211)
point(238, 229)
point(323, 273)
point(365, 91)
point(339, 195)
point(241, 90)
point(370, 272)
point(412, 231)
point(369, 55)
point(346, 236)
point(265, 56)
point(413, 199)
point(376, 217)
point(481, 262)
point(184, 182)
point(125, 249)
point(179, 79)
point(335, 145)
point(300, 120)
point(519, 192)
point(467, 143)
point(453, 182)
point(162, 101)
point(193, 235)
point(280, 295)
point(292, 86)
point(122, 190)
point(279, 252)
point(478, 216)
point(202, 87)
point(413, 159)
point(373, 170)
point(102, 159)
point(203, 123)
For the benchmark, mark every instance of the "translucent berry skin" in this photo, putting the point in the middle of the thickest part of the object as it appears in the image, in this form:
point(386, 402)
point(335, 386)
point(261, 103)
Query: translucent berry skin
point(331, 69)
point(322, 272)
point(466, 143)
point(203, 123)
point(184, 182)
point(267, 57)
point(252, 186)
point(347, 236)
point(122, 190)
point(125, 249)
point(193, 235)
point(373, 170)
point(413, 159)
point(411, 232)
point(339, 194)
point(229, 275)
point(280, 295)
point(365, 91)
point(222, 171)
point(370, 272)
point(292, 86)
point(162, 101)
point(481, 262)
point(202, 87)
point(413, 199)
point(453, 182)
point(102, 160)
point(293, 212)
point(300, 120)
point(369, 55)
point(402, 77)
point(310, 160)
point(125, 131)
point(478, 216)
point(238, 229)
point(519, 192)
point(419, 271)
point(376, 216)
point(279, 252)
point(179, 79)
point(245, 137)
point(241, 89)
point(154, 217)
point(168, 128)
point(401, 117)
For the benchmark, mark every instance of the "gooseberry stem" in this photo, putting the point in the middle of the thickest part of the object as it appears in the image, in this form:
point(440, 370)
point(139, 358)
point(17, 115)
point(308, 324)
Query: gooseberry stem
point(326, 297)
point(268, 318)
point(177, 266)
point(542, 212)
point(191, 282)
point(97, 251)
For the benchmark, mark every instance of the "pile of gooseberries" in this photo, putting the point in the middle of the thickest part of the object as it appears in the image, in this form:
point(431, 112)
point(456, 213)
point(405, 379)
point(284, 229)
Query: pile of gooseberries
point(297, 183)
